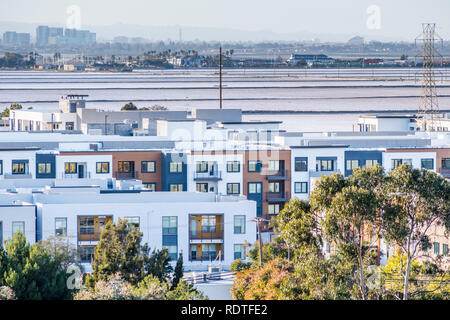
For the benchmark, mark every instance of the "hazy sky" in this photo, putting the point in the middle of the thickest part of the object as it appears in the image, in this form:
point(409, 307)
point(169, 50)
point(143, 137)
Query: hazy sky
point(399, 19)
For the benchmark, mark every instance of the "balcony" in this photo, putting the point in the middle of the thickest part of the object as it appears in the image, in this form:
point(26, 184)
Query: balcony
point(318, 174)
point(277, 196)
point(208, 176)
point(86, 175)
point(205, 258)
point(126, 175)
point(277, 175)
point(89, 236)
point(216, 233)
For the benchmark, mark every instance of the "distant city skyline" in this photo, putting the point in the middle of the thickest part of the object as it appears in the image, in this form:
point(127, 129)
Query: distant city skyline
point(327, 20)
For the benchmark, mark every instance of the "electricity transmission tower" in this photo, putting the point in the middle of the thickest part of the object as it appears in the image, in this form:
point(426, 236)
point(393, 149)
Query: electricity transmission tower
point(428, 114)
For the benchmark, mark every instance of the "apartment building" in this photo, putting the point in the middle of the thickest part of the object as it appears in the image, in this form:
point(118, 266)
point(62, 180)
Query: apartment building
point(309, 163)
point(418, 158)
point(205, 228)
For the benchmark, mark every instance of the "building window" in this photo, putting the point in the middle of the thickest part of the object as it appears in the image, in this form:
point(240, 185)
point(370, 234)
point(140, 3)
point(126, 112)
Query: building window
point(1, 234)
point(208, 224)
point(124, 166)
point(274, 165)
point(233, 166)
point(44, 168)
point(176, 167)
point(371, 163)
point(239, 224)
point(61, 226)
point(274, 208)
point(194, 252)
point(427, 164)
point(352, 164)
point(18, 226)
point(176, 187)
point(19, 167)
point(436, 246)
point(301, 164)
point(209, 252)
point(172, 250)
point(87, 225)
point(148, 166)
point(201, 187)
point(1, 167)
point(324, 165)
point(446, 163)
point(301, 187)
point(445, 250)
point(233, 188)
point(254, 166)
point(86, 253)
point(169, 225)
point(151, 186)
point(239, 251)
point(133, 222)
point(254, 187)
point(70, 167)
point(102, 167)
point(274, 187)
point(70, 125)
point(201, 166)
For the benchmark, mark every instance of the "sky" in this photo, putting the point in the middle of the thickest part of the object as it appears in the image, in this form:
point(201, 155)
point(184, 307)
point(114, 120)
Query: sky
point(393, 19)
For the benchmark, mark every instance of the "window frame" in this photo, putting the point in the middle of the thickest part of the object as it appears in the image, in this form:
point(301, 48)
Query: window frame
point(101, 163)
point(301, 183)
point(232, 165)
point(144, 165)
point(232, 185)
point(56, 226)
point(47, 166)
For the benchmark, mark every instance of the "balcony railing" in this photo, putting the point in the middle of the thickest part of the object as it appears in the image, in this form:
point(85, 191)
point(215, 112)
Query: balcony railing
point(277, 196)
point(209, 175)
point(201, 235)
point(89, 236)
point(126, 175)
point(277, 175)
point(205, 258)
point(85, 175)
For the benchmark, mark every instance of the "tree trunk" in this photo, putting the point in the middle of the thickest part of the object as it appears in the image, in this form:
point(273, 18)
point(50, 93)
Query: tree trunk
point(406, 279)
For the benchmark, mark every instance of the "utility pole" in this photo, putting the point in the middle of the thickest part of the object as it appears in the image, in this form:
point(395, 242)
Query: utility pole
point(220, 77)
point(258, 221)
point(106, 128)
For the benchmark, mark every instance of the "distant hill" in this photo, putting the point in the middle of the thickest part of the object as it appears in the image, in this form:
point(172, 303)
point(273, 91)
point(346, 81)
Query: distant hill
point(157, 33)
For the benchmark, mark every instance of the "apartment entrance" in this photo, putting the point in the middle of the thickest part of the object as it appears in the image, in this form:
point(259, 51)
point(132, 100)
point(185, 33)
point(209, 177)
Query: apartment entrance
point(81, 171)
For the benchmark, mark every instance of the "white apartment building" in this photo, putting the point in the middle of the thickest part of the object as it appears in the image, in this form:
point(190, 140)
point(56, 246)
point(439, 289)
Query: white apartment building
point(417, 159)
point(204, 227)
point(309, 163)
point(218, 172)
point(18, 163)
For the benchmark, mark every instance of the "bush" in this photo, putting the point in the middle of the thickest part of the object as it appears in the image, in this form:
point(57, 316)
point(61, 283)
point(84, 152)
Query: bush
point(238, 265)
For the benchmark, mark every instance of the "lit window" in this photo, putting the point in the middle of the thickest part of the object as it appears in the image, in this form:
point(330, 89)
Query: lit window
point(70, 167)
point(102, 167)
point(176, 187)
point(44, 168)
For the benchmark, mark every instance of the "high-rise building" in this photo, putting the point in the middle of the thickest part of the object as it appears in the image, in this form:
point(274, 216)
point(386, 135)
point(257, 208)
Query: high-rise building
point(14, 38)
